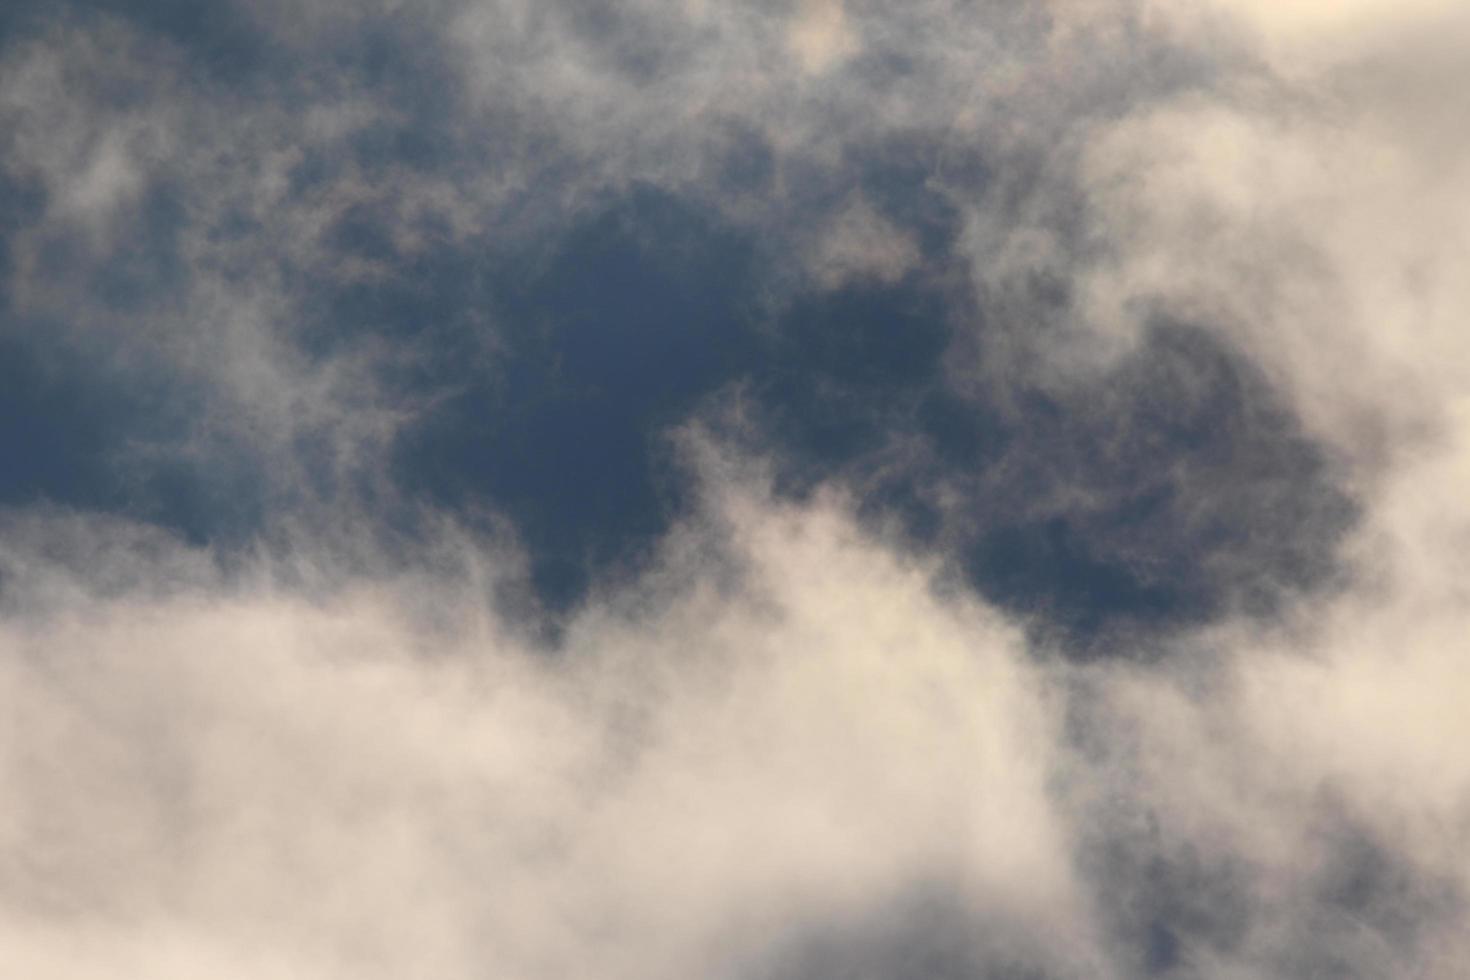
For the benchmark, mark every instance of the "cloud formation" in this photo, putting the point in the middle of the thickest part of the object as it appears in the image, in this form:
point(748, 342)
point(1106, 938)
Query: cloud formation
point(784, 489)
point(253, 782)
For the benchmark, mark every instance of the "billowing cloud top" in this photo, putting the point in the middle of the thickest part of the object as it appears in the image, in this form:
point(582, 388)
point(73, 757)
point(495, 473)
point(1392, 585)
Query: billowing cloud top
point(788, 489)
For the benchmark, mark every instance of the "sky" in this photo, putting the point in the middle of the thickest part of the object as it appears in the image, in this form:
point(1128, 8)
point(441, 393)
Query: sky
point(750, 490)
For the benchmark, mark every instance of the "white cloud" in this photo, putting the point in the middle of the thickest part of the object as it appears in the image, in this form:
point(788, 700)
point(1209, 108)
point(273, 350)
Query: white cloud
point(821, 35)
point(223, 778)
point(236, 780)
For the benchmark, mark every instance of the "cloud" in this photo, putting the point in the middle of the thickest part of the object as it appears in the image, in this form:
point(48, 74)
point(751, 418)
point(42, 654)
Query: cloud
point(784, 750)
point(860, 243)
point(1066, 580)
point(232, 778)
point(821, 35)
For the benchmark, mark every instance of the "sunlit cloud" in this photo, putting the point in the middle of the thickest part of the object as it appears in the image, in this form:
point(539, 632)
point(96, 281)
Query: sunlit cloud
point(787, 489)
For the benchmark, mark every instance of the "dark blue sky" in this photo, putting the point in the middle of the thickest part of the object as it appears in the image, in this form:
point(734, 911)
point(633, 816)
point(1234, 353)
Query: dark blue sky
point(547, 371)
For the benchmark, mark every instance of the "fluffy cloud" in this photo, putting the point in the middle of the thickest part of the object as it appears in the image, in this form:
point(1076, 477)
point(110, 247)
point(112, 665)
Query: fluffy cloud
point(232, 779)
point(1201, 311)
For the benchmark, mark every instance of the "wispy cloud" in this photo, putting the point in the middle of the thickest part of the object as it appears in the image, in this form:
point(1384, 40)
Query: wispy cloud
point(777, 489)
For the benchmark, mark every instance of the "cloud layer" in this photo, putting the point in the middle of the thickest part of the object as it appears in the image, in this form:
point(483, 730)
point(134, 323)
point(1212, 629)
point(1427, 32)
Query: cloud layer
point(786, 490)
